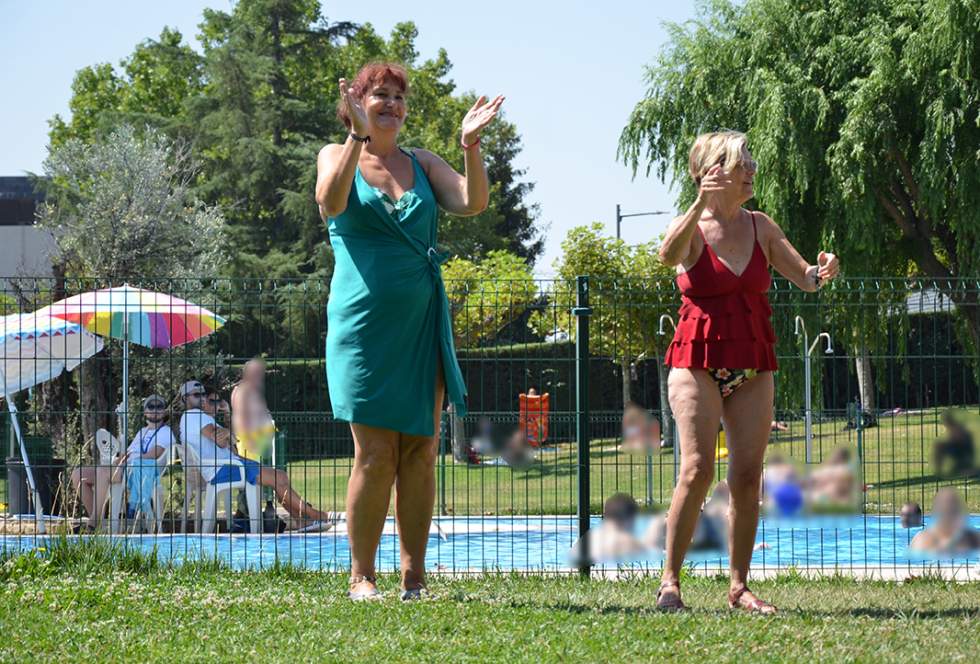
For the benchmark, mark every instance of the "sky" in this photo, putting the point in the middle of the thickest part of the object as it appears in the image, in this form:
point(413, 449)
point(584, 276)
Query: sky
point(571, 71)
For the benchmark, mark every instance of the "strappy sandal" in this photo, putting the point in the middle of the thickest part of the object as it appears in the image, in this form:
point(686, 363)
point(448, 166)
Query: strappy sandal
point(753, 605)
point(671, 600)
point(363, 595)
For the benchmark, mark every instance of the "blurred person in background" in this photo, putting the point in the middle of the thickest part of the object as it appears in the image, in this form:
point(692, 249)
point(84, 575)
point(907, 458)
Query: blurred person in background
point(834, 483)
point(911, 515)
point(641, 431)
point(949, 533)
point(954, 456)
point(614, 538)
point(782, 487)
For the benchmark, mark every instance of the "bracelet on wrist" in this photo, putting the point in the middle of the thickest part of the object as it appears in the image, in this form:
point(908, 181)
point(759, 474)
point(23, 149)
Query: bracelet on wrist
point(360, 139)
point(471, 145)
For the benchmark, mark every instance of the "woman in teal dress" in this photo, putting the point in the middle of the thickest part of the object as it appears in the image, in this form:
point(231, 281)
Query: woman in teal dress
point(390, 356)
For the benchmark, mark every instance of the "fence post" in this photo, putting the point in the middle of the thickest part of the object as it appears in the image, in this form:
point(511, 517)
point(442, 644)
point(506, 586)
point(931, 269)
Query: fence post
point(581, 311)
point(442, 457)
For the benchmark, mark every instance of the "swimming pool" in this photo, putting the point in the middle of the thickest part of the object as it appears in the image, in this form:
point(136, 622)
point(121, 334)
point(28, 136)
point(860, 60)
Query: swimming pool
point(461, 544)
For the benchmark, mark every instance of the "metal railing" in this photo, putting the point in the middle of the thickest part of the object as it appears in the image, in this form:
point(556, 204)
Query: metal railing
point(904, 353)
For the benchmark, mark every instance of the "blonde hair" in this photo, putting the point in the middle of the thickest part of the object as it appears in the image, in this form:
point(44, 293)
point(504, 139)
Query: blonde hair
point(711, 148)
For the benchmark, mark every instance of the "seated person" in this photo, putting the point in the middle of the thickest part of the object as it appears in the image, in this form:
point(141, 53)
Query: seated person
point(613, 538)
point(140, 466)
point(911, 515)
point(641, 432)
point(212, 443)
point(949, 533)
point(91, 482)
point(782, 486)
point(517, 452)
point(957, 449)
point(778, 425)
point(834, 482)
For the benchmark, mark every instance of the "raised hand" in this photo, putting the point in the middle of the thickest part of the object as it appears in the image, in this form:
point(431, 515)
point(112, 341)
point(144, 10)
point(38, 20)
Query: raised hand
point(828, 266)
point(714, 181)
point(479, 116)
point(355, 111)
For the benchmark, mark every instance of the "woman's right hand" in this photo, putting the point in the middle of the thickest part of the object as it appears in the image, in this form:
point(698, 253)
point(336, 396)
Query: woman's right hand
point(713, 182)
point(355, 111)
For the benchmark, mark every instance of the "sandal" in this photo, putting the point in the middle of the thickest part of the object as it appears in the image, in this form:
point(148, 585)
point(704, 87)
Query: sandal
point(669, 601)
point(363, 595)
point(750, 605)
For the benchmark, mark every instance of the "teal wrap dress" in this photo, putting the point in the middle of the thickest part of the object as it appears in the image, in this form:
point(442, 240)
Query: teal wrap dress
point(388, 321)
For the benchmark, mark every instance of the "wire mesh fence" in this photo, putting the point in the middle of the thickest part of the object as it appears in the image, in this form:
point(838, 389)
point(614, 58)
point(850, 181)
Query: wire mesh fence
point(892, 382)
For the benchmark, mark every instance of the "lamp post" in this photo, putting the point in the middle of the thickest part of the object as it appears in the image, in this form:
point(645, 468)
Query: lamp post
point(620, 216)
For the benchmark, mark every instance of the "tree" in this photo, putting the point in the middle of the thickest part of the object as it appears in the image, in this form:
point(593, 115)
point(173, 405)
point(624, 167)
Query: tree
point(630, 289)
point(121, 209)
point(487, 296)
point(862, 116)
point(258, 103)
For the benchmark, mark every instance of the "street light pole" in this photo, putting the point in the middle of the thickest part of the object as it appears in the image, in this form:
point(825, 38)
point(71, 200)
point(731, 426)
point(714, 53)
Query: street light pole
point(620, 216)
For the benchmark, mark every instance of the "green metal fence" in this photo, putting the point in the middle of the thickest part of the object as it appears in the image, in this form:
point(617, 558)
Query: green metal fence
point(903, 352)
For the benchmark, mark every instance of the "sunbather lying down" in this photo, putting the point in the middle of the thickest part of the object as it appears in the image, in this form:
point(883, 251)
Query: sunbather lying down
point(212, 444)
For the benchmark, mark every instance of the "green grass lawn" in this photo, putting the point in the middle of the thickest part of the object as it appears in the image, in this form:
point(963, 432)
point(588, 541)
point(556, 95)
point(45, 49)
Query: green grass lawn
point(897, 463)
point(87, 607)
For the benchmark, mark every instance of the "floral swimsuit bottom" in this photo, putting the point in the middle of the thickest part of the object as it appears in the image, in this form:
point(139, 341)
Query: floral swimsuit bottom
point(729, 380)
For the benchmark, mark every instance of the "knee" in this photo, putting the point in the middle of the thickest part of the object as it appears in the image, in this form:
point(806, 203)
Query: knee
point(745, 482)
point(376, 463)
point(421, 456)
point(76, 478)
point(697, 472)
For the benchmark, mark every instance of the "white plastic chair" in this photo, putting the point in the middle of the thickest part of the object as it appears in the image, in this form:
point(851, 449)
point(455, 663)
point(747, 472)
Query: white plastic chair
point(211, 491)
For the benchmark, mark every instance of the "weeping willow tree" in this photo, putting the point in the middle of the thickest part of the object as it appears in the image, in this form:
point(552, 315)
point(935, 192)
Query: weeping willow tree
point(864, 116)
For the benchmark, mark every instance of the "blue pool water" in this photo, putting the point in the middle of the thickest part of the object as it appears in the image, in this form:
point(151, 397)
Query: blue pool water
point(542, 543)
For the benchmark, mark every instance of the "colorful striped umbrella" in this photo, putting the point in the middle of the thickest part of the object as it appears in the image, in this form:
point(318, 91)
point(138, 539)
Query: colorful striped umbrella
point(35, 348)
point(144, 317)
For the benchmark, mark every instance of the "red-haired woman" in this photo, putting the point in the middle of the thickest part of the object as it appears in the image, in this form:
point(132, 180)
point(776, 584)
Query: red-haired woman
point(722, 355)
point(390, 355)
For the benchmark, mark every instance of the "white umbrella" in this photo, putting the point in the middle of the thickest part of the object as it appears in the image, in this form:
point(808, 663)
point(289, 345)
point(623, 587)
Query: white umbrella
point(35, 348)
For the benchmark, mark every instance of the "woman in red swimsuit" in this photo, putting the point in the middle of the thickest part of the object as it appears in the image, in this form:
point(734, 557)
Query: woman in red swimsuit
point(722, 355)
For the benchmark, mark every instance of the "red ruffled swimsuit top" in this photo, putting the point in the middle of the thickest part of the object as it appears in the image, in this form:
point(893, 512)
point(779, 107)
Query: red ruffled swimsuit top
point(724, 318)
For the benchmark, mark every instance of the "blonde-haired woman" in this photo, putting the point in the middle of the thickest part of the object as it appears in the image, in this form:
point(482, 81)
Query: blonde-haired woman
point(722, 355)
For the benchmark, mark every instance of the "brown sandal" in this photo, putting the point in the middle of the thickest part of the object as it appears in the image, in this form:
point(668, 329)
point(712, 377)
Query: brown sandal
point(671, 600)
point(752, 605)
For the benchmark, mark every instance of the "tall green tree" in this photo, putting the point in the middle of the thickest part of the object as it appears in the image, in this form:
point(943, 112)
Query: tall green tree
point(259, 102)
point(864, 116)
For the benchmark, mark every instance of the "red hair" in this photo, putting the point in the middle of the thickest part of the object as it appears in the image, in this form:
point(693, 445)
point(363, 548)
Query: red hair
point(370, 75)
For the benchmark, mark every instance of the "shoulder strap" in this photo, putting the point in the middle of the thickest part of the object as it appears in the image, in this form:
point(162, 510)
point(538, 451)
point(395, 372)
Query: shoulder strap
point(755, 229)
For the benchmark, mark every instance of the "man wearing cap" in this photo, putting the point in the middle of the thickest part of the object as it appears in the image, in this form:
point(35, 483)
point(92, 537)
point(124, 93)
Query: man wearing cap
point(141, 465)
point(213, 444)
point(150, 443)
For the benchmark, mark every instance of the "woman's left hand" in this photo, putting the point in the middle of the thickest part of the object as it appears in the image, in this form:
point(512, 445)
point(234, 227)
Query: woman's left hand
point(828, 266)
point(478, 117)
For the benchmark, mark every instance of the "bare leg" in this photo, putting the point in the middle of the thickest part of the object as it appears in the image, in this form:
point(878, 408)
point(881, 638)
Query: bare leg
point(92, 484)
point(747, 415)
point(368, 496)
point(696, 405)
point(415, 496)
point(287, 496)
